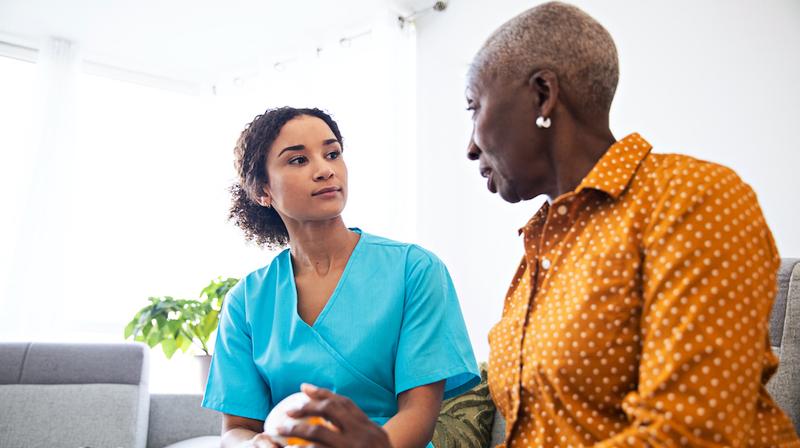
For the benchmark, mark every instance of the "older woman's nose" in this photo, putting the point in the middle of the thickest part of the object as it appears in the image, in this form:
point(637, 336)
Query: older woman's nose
point(473, 152)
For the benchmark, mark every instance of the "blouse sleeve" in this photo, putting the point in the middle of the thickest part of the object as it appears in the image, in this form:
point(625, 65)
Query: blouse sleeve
point(433, 344)
point(234, 384)
point(709, 282)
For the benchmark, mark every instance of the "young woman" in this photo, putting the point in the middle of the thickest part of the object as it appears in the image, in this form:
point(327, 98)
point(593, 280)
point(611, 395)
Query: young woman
point(373, 323)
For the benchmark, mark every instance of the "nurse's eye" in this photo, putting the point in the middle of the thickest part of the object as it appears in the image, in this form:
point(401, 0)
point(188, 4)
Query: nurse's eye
point(333, 155)
point(298, 160)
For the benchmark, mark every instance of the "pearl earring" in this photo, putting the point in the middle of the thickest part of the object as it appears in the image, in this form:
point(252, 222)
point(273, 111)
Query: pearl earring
point(543, 122)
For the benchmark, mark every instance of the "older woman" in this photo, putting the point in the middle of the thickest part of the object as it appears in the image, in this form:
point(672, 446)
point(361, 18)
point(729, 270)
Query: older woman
point(373, 323)
point(638, 314)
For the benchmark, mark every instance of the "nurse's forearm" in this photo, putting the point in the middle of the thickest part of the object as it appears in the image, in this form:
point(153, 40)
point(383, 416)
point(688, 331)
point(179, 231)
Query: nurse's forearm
point(240, 432)
point(236, 437)
point(245, 438)
point(406, 430)
point(412, 426)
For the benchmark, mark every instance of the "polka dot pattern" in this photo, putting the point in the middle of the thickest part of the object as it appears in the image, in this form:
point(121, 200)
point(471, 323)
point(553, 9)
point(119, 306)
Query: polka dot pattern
point(639, 313)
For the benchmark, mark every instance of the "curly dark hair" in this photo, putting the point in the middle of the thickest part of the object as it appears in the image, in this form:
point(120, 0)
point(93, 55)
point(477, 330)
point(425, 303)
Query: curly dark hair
point(260, 224)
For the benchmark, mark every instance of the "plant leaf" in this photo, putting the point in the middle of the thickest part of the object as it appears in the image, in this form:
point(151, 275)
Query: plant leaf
point(210, 323)
point(129, 328)
point(153, 338)
point(183, 342)
point(169, 346)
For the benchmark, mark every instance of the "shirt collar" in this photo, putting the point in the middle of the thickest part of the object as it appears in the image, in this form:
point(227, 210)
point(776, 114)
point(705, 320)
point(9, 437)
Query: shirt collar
point(614, 171)
point(611, 174)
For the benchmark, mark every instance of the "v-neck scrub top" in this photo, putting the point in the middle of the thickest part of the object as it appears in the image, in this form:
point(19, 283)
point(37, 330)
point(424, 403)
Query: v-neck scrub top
point(393, 323)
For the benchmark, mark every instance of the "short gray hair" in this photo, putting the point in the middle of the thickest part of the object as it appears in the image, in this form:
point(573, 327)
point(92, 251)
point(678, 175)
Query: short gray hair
point(561, 38)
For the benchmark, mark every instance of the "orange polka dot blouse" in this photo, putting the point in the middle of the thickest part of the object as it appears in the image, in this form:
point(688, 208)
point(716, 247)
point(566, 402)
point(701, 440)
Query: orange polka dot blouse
point(639, 314)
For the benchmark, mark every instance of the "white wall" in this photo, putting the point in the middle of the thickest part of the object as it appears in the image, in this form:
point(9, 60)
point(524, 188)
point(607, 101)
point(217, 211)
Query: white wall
point(715, 80)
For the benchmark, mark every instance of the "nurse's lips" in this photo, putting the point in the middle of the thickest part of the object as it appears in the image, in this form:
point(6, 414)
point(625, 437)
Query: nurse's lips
point(327, 191)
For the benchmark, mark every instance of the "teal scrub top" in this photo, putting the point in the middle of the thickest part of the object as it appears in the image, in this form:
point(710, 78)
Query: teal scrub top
point(393, 323)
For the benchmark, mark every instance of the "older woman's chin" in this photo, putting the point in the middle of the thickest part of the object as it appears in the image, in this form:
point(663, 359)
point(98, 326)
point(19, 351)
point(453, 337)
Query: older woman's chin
point(509, 195)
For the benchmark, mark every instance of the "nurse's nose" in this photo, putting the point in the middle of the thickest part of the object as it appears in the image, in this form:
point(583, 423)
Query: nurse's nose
point(324, 172)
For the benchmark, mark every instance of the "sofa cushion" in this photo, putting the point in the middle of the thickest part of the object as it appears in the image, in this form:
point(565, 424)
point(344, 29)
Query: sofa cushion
point(178, 417)
point(466, 420)
point(50, 363)
point(72, 415)
point(12, 357)
point(784, 386)
point(498, 430)
point(778, 317)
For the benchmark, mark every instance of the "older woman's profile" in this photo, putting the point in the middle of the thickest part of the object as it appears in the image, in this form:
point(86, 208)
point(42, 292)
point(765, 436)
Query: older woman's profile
point(638, 313)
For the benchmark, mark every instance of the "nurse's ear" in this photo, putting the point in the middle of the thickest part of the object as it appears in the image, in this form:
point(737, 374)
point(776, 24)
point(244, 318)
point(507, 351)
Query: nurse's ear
point(265, 200)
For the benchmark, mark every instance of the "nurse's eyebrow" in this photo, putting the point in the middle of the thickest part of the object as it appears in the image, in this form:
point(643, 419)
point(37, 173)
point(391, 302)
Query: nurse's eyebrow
point(327, 142)
point(292, 148)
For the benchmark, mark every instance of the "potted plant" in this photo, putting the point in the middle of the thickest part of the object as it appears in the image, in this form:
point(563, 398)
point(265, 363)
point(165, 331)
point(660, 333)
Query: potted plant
point(180, 324)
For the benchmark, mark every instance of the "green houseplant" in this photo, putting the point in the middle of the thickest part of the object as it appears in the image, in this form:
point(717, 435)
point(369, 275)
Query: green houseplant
point(179, 324)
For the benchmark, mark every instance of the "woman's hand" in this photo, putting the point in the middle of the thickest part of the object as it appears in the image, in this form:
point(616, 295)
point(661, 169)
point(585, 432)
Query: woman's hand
point(355, 429)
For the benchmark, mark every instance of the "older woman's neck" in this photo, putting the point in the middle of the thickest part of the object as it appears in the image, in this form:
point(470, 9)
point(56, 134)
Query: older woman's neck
point(576, 150)
point(320, 245)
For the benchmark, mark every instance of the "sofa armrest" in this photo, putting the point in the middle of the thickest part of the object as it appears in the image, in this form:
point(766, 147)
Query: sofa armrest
point(177, 417)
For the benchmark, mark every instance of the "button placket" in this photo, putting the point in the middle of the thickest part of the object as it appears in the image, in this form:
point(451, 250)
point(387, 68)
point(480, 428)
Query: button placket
point(557, 218)
point(532, 240)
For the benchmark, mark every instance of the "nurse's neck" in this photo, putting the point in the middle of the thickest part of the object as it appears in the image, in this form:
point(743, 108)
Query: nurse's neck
point(320, 247)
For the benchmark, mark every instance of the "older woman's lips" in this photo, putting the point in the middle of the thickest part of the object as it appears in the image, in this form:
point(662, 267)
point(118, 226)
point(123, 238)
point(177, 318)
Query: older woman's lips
point(487, 173)
point(490, 183)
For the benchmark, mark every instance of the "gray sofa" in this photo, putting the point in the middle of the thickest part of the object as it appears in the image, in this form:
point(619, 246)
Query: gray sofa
point(69, 395)
point(784, 330)
point(92, 395)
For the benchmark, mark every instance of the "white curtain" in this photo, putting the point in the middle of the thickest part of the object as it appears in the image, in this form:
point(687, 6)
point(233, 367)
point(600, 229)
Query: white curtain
point(35, 295)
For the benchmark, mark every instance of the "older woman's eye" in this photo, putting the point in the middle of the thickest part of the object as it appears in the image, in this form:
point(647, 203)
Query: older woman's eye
point(299, 160)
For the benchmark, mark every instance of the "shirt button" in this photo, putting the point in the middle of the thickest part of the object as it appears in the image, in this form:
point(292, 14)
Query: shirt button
point(562, 210)
point(545, 263)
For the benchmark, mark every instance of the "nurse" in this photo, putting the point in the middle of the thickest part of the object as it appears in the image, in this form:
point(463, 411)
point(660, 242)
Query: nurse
point(372, 323)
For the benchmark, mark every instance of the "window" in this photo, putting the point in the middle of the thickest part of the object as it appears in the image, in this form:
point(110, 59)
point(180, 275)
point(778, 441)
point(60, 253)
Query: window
point(134, 203)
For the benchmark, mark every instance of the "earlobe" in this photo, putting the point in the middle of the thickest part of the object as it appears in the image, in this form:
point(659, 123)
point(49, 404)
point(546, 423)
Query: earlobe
point(264, 200)
point(545, 86)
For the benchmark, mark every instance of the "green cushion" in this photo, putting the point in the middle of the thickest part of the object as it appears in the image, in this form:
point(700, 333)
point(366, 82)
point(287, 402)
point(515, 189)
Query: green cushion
point(466, 420)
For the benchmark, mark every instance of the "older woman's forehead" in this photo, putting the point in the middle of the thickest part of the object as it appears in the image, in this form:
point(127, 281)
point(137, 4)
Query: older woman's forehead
point(479, 78)
point(489, 82)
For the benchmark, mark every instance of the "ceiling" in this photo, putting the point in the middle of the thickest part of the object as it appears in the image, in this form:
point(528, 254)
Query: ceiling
point(193, 41)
